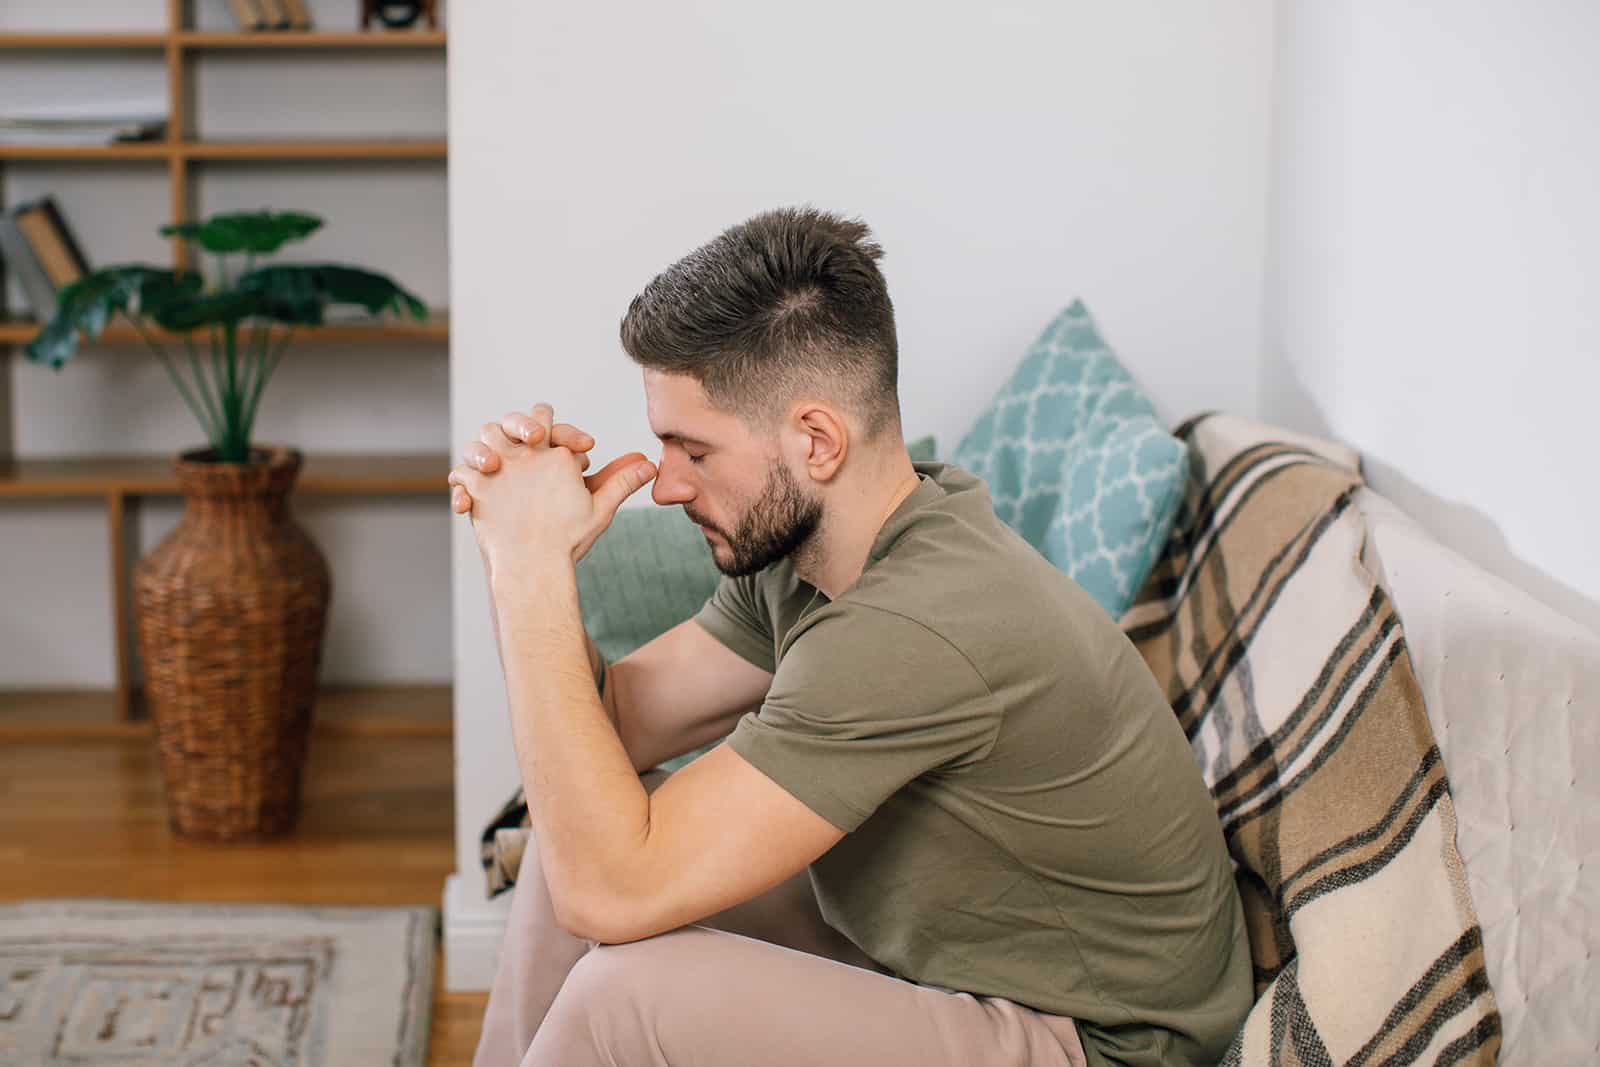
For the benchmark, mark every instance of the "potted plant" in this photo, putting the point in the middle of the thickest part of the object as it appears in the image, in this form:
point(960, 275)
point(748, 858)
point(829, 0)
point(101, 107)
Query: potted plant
point(232, 605)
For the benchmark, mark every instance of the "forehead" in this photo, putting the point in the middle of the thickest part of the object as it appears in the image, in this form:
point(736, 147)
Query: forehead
point(679, 409)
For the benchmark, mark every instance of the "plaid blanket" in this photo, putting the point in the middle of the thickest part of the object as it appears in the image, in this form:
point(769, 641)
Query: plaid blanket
point(1284, 660)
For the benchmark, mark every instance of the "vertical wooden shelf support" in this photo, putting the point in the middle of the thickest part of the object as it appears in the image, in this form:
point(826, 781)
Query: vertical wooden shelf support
point(178, 106)
point(122, 512)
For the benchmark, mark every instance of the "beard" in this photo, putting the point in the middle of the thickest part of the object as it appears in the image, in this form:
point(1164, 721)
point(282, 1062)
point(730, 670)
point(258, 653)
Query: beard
point(779, 523)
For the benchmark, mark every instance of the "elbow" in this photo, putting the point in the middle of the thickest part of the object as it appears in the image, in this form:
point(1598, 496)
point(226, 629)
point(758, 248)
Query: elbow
point(593, 915)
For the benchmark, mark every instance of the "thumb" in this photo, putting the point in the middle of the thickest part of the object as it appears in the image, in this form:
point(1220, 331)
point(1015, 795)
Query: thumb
point(619, 480)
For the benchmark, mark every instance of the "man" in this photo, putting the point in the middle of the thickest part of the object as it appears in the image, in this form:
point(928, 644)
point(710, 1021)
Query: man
point(951, 782)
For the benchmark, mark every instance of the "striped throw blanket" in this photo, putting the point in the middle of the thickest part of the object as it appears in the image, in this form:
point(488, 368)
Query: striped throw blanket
point(1285, 662)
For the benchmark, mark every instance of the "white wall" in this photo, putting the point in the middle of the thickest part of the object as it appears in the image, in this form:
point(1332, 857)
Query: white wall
point(1434, 294)
point(389, 618)
point(1009, 156)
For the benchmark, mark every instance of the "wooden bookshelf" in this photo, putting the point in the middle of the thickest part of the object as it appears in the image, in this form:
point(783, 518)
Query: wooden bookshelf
point(122, 482)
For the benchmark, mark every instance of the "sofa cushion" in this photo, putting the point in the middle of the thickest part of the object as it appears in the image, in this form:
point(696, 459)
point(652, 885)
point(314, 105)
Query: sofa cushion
point(650, 571)
point(1078, 462)
point(1286, 663)
point(1513, 695)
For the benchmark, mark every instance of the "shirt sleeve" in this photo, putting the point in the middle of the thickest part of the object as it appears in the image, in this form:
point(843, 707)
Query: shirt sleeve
point(734, 615)
point(864, 702)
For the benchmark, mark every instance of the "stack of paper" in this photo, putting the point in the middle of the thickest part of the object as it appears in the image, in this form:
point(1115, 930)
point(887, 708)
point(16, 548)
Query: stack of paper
point(91, 123)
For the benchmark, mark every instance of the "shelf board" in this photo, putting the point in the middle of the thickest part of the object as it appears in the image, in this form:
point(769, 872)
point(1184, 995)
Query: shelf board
point(232, 39)
point(327, 150)
point(90, 715)
point(77, 40)
point(232, 151)
point(120, 331)
point(148, 475)
point(146, 151)
point(343, 39)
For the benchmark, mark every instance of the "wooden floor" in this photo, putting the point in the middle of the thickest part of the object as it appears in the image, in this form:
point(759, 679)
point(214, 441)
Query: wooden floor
point(85, 817)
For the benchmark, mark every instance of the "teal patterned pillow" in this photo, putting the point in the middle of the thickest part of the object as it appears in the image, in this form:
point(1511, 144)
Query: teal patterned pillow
point(1078, 462)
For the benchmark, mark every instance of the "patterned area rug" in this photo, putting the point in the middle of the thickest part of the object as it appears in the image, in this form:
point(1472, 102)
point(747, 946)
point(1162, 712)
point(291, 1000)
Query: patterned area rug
point(135, 984)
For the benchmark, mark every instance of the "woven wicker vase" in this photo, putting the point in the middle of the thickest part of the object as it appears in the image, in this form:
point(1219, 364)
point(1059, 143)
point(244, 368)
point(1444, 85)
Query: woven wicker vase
point(231, 609)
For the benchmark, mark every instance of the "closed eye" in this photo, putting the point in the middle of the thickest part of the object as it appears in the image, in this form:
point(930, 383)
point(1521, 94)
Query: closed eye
point(694, 458)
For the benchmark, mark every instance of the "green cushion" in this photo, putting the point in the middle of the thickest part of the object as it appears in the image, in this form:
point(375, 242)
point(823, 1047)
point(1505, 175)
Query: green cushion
point(647, 573)
point(1078, 462)
point(650, 571)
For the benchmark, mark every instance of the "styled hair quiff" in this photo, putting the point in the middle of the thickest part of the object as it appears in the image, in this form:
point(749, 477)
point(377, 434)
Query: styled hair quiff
point(786, 305)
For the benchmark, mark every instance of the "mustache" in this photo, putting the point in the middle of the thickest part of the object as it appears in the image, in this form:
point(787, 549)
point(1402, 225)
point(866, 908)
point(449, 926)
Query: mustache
point(698, 521)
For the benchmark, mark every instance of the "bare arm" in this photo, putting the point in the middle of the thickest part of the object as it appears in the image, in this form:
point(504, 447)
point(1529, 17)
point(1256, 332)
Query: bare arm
point(682, 690)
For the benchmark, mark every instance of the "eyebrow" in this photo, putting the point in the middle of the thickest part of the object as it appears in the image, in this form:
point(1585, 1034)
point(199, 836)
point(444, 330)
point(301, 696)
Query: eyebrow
point(682, 439)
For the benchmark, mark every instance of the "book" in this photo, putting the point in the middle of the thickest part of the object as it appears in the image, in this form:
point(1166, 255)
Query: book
point(19, 262)
point(51, 246)
point(299, 17)
point(275, 14)
point(247, 14)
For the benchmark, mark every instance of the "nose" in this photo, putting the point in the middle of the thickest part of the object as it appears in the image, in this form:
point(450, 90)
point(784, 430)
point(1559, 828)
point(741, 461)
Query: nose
point(670, 487)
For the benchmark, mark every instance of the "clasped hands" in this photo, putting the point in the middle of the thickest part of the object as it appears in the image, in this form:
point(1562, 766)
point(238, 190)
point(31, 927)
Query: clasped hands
point(523, 484)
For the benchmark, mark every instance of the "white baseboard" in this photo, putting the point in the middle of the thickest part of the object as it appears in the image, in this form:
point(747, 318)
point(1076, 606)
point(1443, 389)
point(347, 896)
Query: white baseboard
point(472, 935)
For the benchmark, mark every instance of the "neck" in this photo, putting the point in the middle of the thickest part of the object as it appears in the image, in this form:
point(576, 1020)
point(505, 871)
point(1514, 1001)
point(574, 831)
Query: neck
point(836, 554)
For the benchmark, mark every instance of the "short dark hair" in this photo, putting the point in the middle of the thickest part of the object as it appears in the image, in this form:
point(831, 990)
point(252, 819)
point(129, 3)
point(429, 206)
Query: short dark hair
point(784, 303)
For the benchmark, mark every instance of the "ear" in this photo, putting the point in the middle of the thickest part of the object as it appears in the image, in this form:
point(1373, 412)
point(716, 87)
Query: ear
point(826, 438)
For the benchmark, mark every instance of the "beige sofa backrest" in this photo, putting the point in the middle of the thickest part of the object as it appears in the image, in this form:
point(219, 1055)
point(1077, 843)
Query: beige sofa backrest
point(1513, 695)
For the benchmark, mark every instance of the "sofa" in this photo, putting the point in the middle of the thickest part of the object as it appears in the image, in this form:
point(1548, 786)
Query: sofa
point(1398, 742)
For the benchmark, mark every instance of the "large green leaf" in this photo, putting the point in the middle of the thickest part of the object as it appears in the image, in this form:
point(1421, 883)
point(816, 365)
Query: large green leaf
point(258, 232)
point(210, 309)
point(301, 292)
point(86, 306)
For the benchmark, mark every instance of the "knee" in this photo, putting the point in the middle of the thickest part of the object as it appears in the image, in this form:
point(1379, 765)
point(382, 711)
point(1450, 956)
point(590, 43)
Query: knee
point(609, 976)
point(613, 985)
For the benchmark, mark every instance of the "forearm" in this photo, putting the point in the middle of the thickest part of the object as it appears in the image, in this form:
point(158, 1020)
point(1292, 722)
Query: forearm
point(588, 808)
point(643, 752)
point(597, 662)
point(600, 668)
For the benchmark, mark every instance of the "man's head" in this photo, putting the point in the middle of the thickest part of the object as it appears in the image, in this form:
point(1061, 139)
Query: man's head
point(769, 356)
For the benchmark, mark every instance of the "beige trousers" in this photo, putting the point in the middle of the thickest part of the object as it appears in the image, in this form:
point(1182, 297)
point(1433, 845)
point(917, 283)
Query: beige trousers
point(767, 982)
